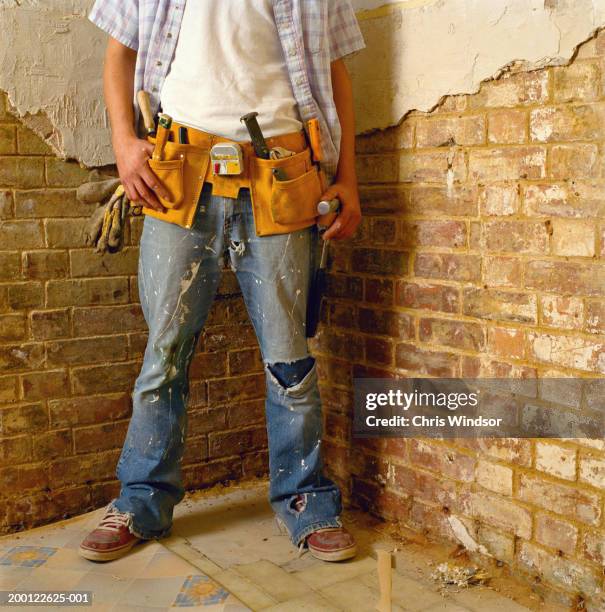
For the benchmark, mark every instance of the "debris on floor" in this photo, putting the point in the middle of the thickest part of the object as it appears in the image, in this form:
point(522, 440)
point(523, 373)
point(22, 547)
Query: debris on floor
point(449, 574)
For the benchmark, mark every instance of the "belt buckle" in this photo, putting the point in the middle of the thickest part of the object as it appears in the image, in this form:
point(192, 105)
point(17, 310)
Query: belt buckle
point(227, 159)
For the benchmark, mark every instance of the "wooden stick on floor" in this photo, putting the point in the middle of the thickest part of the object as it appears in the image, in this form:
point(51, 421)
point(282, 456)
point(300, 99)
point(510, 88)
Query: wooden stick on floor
point(384, 580)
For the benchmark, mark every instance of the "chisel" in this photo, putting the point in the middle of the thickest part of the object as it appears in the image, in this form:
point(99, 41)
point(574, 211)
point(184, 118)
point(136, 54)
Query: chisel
point(258, 142)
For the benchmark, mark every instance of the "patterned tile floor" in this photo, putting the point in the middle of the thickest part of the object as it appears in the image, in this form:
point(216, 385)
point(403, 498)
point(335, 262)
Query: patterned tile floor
point(150, 578)
point(225, 553)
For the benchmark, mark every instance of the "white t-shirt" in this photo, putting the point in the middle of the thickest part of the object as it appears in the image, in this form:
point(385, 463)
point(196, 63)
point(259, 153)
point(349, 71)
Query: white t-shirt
point(228, 62)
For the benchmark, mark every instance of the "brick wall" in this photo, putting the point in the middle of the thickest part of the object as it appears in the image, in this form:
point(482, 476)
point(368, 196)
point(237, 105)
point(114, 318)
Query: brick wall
point(482, 253)
point(71, 342)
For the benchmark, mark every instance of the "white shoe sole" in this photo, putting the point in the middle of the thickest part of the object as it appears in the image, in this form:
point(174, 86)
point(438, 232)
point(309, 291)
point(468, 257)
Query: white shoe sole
point(109, 555)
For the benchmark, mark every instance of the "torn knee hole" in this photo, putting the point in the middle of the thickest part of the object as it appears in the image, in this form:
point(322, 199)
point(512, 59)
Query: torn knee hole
point(291, 374)
point(238, 247)
point(298, 504)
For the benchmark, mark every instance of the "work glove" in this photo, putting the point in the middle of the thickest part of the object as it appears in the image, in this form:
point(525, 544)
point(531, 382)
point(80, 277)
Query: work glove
point(105, 228)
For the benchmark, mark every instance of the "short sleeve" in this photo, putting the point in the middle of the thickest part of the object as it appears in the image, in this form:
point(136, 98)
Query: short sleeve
point(343, 29)
point(119, 19)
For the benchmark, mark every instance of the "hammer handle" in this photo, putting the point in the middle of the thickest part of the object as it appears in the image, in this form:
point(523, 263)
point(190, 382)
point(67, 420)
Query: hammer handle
point(145, 106)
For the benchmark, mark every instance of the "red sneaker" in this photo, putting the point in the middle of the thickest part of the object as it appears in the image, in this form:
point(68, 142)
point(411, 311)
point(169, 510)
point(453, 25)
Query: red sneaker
point(110, 540)
point(332, 544)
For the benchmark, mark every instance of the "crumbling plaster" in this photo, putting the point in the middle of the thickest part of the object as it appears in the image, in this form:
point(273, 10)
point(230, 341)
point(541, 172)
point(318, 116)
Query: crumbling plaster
point(418, 51)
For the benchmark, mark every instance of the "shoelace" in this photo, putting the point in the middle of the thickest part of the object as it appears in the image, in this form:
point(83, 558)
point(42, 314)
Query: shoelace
point(114, 520)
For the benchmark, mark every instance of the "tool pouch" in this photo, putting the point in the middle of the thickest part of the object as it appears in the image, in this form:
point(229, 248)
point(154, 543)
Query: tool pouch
point(182, 172)
point(285, 206)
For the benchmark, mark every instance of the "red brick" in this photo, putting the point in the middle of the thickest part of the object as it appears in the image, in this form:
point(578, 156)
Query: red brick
point(21, 357)
point(23, 296)
point(507, 164)
point(508, 126)
point(21, 234)
point(69, 412)
point(516, 237)
point(595, 316)
point(80, 469)
point(502, 271)
point(450, 131)
point(10, 265)
point(580, 161)
point(104, 378)
point(18, 479)
point(377, 261)
point(444, 460)
point(12, 327)
point(108, 320)
point(52, 444)
point(49, 324)
point(578, 82)
point(560, 499)
point(386, 323)
point(428, 296)
point(54, 203)
point(236, 389)
point(433, 363)
point(89, 291)
point(513, 89)
point(556, 533)
point(442, 167)
point(45, 264)
point(379, 291)
point(9, 389)
point(499, 200)
point(15, 450)
point(448, 266)
point(457, 334)
point(100, 437)
point(506, 342)
point(567, 123)
point(228, 337)
point(500, 305)
point(342, 315)
point(223, 444)
point(22, 172)
point(581, 200)
point(45, 385)
point(498, 511)
point(379, 351)
point(88, 263)
point(244, 361)
point(456, 200)
point(433, 233)
point(566, 277)
point(23, 418)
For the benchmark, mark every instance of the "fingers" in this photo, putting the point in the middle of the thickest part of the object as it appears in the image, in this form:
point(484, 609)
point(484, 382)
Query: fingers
point(151, 180)
point(149, 198)
point(344, 226)
point(147, 147)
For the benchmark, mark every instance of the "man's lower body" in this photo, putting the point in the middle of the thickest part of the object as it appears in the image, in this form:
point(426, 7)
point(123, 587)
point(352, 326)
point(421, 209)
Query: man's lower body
point(179, 272)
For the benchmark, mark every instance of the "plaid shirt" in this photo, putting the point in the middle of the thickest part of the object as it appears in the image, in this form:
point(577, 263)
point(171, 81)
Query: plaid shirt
point(313, 33)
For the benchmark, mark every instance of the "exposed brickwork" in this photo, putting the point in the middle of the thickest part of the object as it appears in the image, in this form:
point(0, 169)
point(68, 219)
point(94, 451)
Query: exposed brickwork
point(72, 337)
point(487, 259)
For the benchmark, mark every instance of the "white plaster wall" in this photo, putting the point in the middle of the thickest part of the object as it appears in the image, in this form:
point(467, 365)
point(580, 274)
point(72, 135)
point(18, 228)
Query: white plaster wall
point(421, 50)
point(418, 51)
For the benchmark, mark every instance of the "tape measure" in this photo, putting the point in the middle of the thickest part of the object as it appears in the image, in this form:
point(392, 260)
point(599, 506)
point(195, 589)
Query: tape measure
point(227, 159)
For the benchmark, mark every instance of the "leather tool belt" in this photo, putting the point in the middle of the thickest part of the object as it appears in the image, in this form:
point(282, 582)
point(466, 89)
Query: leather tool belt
point(279, 206)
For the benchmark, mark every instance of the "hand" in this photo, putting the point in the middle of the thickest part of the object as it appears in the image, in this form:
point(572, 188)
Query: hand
point(140, 183)
point(349, 218)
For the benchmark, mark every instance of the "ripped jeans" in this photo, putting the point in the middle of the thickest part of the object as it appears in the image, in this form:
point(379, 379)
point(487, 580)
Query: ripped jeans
point(179, 271)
